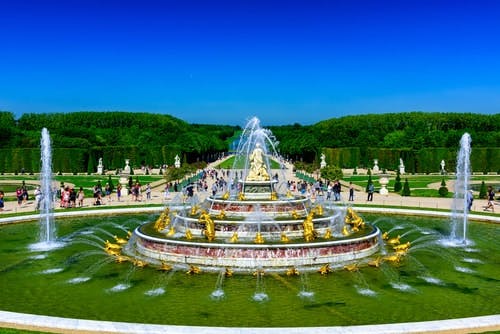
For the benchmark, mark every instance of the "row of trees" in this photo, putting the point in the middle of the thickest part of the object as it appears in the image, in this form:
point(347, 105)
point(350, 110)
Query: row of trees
point(422, 140)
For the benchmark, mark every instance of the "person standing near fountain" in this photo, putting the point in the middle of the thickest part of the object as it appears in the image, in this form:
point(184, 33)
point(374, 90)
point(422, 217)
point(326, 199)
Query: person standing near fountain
point(1, 201)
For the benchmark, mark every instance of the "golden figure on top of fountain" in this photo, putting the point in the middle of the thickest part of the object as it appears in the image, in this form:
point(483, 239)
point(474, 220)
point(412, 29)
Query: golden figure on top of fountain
point(258, 170)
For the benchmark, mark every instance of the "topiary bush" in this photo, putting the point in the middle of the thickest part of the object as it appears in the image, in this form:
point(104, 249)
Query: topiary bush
point(443, 190)
point(397, 184)
point(406, 189)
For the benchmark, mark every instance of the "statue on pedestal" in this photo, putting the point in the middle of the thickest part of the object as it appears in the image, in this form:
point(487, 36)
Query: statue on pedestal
point(322, 164)
point(375, 169)
point(401, 167)
point(443, 171)
point(126, 170)
point(100, 167)
point(177, 162)
point(258, 171)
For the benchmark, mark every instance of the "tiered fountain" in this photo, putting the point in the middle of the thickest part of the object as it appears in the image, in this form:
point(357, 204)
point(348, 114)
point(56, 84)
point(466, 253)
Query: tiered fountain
point(255, 224)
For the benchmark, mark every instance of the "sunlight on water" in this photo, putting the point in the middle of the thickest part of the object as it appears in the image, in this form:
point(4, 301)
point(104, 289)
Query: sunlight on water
point(217, 294)
point(155, 292)
point(471, 260)
point(306, 294)
point(432, 280)
point(77, 280)
point(366, 292)
point(260, 297)
point(403, 287)
point(464, 270)
point(52, 271)
point(119, 287)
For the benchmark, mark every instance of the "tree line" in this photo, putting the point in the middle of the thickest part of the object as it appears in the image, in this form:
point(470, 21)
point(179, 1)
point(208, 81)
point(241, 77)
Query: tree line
point(154, 139)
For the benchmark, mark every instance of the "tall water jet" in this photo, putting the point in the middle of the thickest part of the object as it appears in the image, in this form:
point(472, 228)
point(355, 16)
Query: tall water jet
point(459, 214)
point(47, 234)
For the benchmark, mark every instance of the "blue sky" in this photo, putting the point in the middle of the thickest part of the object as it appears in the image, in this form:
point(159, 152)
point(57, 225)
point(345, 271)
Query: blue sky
point(222, 62)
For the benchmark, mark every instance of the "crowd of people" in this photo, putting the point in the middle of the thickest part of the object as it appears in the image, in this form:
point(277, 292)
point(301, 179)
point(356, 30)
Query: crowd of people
point(211, 181)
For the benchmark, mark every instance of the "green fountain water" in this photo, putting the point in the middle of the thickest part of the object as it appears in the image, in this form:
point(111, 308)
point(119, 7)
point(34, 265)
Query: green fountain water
point(432, 282)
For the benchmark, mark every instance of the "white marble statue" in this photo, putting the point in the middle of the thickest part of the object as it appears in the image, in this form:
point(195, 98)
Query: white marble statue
point(322, 164)
point(177, 162)
point(375, 168)
point(100, 167)
point(126, 170)
point(401, 167)
point(443, 171)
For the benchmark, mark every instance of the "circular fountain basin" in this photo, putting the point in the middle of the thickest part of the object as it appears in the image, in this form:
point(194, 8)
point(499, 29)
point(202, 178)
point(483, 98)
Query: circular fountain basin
point(244, 257)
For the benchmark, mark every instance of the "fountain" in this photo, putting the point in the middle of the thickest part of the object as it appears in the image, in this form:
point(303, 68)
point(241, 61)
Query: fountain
point(255, 225)
point(47, 234)
point(262, 253)
point(459, 210)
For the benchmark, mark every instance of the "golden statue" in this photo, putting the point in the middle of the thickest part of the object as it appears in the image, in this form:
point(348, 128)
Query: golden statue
point(352, 267)
point(308, 225)
point(189, 235)
point(385, 235)
point(393, 258)
point(120, 241)
point(209, 225)
point(394, 241)
point(284, 238)
point(226, 195)
point(295, 215)
point(122, 258)
point(228, 272)
point(324, 270)
point(328, 234)
point(376, 262)
point(109, 245)
point(140, 263)
point(289, 194)
point(274, 196)
point(354, 220)
point(221, 215)
point(345, 231)
point(194, 209)
point(318, 210)
point(292, 272)
point(163, 221)
point(234, 237)
point(258, 238)
point(258, 272)
point(171, 232)
point(241, 196)
point(258, 170)
point(193, 270)
point(165, 266)
point(402, 247)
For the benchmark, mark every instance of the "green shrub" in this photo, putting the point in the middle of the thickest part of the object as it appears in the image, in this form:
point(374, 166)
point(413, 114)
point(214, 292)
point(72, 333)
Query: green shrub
point(482, 190)
point(397, 184)
point(406, 189)
point(443, 190)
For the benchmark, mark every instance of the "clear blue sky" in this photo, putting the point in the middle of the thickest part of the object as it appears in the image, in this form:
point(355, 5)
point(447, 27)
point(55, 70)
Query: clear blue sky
point(221, 62)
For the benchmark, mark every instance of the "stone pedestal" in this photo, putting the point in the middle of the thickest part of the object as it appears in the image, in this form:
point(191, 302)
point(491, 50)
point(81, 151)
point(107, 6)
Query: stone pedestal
point(384, 180)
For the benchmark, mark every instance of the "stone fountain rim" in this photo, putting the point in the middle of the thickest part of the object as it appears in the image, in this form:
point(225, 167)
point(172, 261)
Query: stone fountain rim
point(44, 323)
